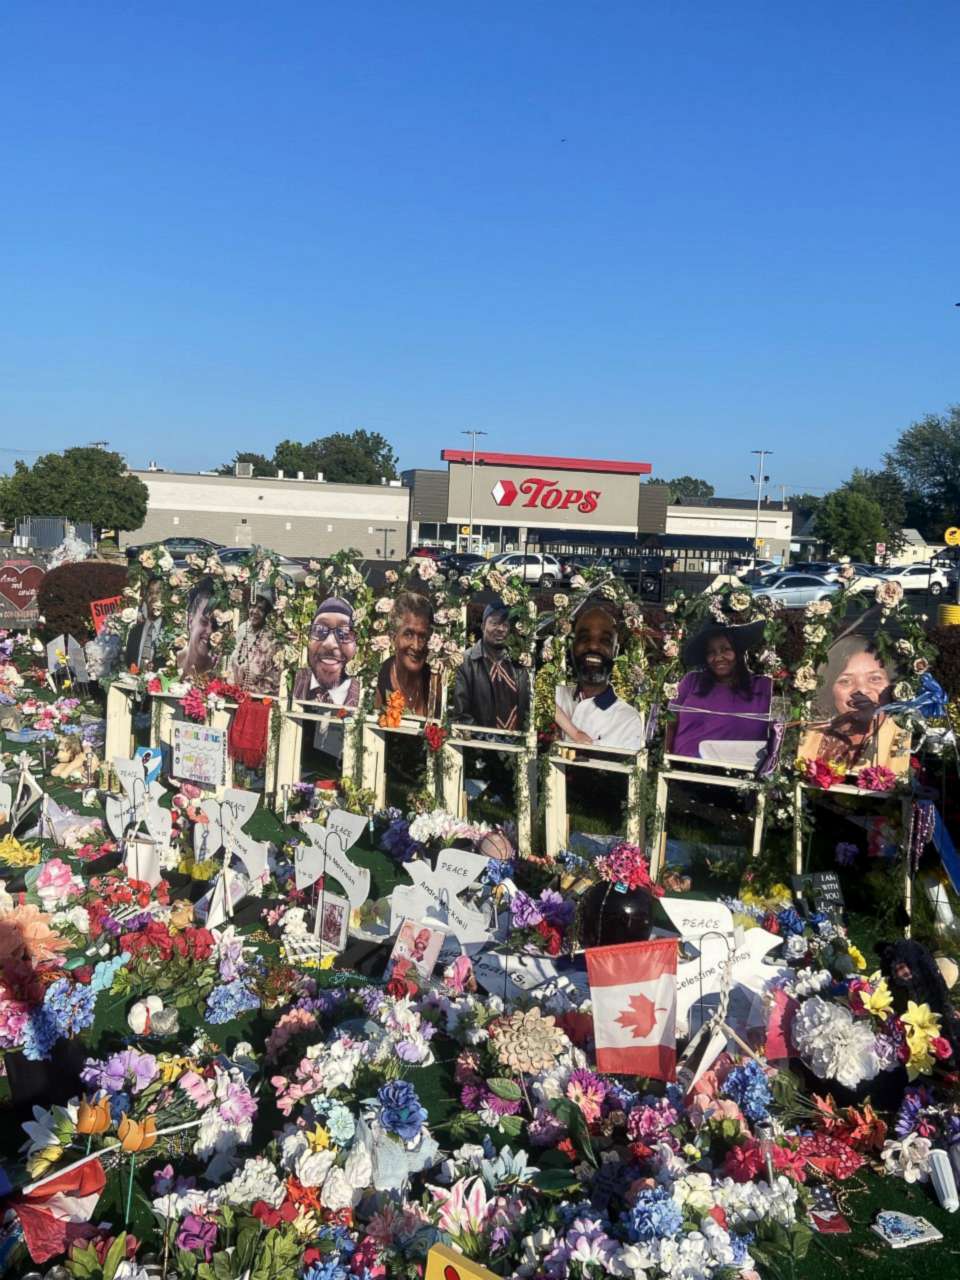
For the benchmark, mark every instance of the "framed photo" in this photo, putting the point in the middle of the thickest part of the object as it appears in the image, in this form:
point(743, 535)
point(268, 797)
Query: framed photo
point(417, 947)
point(333, 921)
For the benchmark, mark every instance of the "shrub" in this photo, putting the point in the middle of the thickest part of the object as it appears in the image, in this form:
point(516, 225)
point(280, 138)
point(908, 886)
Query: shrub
point(946, 665)
point(65, 595)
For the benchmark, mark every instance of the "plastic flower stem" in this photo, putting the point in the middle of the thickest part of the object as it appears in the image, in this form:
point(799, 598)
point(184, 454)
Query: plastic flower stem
point(89, 1143)
point(126, 1215)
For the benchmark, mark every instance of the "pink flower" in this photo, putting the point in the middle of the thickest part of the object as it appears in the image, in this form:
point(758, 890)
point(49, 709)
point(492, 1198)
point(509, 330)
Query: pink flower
point(876, 777)
point(56, 882)
point(197, 1089)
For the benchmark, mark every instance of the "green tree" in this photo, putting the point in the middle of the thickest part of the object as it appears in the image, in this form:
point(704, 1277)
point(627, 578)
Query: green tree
point(356, 457)
point(685, 487)
point(926, 459)
point(850, 524)
point(80, 484)
point(885, 488)
point(261, 466)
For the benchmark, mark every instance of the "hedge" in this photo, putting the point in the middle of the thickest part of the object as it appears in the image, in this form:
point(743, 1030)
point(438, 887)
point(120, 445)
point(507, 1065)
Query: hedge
point(65, 595)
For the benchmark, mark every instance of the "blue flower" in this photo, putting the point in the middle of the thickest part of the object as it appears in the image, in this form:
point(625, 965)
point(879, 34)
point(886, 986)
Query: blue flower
point(68, 1008)
point(789, 921)
point(340, 1124)
point(229, 1001)
point(655, 1215)
point(747, 1086)
point(106, 971)
point(400, 1110)
point(740, 1246)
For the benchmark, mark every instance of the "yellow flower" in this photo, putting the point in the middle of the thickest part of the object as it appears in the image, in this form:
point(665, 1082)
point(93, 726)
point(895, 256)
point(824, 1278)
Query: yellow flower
point(856, 955)
point(318, 1139)
point(41, 1161)
point(172, 1068)
point(921, 1022)
point(921, 1061)
point(879, 1001)
point(306, 1224)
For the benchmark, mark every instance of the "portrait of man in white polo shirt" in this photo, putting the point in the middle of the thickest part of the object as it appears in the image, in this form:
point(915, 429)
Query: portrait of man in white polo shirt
point(588, 711)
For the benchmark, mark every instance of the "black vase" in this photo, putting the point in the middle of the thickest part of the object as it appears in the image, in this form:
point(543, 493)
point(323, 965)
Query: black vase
point(609, 915)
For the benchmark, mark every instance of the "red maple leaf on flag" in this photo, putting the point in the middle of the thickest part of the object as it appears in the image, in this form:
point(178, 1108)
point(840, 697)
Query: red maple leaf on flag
point(641, 1016)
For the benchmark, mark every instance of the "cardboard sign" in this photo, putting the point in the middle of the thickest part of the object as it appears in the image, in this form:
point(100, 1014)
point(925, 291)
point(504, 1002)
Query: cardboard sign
point(693, 919)
point(64, 654)
point(820, 892)
point(444, 1263)
point(199, 754)
point(20, 578)
point(100, 610)
point(327, 851)
point(497, 973)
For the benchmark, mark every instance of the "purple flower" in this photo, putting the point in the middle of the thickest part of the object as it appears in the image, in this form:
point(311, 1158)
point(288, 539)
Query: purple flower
point(525, 912)
point(499, 1106)
point(120, 1069)
point(846, 853)
point(197, 1234)
point(557, 910)
point(238, 1105)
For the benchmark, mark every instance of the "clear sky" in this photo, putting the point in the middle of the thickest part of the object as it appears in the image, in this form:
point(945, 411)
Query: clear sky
point(666, 231)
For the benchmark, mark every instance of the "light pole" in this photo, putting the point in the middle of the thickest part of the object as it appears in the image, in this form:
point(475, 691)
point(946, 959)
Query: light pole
point(473, 473)
point(760, 479)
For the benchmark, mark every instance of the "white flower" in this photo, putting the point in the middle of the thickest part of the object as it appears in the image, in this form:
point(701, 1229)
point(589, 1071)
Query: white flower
point(805, 678)
point(904, 647)
point(426, 568)
point(670, 648)
point(380, 644)
point(257, 1180)
point(889, 593)
point(909, 1159)
point(739, 601)
point(578, 581)
point(140, 1017)
point(833, 1044)
point(815, 633)
point(383, 605)
point(311, 1167)
point(337, 1192)
point(670, 690)
point(902, 691)
point(128, 615)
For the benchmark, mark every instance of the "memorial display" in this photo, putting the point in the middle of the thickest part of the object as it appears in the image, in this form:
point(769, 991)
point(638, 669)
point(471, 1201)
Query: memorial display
point(305, 1032)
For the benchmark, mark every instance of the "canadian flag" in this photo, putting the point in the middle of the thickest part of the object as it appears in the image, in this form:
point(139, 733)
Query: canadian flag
point(633, 988)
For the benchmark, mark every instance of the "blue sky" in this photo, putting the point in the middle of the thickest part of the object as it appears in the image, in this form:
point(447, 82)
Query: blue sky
point(670, 232)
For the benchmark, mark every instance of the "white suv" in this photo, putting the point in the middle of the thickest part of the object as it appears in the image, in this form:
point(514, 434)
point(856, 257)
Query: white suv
point(541, 569)
point(919, 577)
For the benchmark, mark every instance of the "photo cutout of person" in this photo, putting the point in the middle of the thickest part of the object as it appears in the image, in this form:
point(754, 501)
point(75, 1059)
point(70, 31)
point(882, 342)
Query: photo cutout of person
point(417, 946)
point(253, 663)
point(198, 657)
point(144, 635)
point(490, 688)
point(849, 726)
point(588, 711)
point(332, 643)
point(408, 670)
point(723, 709)
point(334, 921)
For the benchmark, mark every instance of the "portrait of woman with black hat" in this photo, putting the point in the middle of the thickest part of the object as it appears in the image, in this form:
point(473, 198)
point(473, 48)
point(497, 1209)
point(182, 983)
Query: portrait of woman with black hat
point(722, 708)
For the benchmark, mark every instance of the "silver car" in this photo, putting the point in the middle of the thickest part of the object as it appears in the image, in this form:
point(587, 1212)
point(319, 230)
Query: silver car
point(793, 590)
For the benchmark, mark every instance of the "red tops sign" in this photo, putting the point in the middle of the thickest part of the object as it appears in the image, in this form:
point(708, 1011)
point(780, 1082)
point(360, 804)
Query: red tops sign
point(548, 494)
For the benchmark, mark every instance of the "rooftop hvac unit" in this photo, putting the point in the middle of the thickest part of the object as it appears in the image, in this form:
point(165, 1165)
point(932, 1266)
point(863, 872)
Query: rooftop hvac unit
point(244, 470)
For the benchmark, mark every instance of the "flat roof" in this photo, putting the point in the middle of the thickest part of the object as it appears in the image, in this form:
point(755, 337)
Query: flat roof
point(538, 460)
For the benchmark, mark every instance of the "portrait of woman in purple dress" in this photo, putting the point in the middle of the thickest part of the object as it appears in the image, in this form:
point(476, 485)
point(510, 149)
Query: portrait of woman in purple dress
point(722, 709)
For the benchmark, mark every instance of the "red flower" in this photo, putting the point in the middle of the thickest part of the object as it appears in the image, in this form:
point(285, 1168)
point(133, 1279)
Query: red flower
point(567, 1148)
point(435, 735)
point(743, 1162)
point(83, 974)
point(941, 1047)
point(554, 938)
point(155, 685)
point(822, 774)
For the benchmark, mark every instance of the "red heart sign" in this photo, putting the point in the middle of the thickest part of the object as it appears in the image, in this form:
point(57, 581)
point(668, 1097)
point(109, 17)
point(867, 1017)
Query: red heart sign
point(19, 584)
point(451, 1273)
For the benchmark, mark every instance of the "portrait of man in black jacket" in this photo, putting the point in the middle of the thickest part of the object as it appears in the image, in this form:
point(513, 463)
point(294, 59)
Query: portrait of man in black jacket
point(144, 635)
point(491, 690)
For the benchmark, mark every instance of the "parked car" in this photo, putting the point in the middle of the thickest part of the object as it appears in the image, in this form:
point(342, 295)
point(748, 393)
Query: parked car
point(294, 570)
point(179, 547)
point(570, 566)
point(431, 553)
point(919, 577)
point(543, 570)
point(741, 567)
point(795, 589)
point(866, 577)
point(456, 563)
point(828, 569)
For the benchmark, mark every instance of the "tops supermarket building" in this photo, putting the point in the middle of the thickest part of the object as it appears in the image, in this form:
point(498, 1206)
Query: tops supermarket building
point(518, 502)
point(582, 505)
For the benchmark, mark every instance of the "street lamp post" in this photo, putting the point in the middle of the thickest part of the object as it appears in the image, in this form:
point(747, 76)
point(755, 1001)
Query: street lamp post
point(473, 472)
point(760, 478)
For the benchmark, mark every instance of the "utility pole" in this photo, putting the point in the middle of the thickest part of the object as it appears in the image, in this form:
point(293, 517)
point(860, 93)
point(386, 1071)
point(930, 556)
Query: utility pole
point(760, 479)
point(473, 472)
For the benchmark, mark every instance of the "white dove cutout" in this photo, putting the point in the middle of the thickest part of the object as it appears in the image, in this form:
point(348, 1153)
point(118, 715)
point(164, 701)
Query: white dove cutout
point(327, 852)
point(703, 976)
point(433, 898)
point(139, 804)
point(223, 830)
